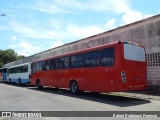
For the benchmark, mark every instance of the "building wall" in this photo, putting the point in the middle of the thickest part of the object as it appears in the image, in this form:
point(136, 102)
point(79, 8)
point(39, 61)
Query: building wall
point(145, 32)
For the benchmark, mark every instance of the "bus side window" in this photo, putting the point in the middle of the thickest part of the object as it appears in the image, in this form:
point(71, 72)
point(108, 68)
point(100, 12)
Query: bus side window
point(107, 57)
point(91, 59)
point(11, 70)
point(76, 61)
point(39, 65)
point(66, 62)
point(46, 65)
point(51, 64)
point(15, 70)
point(25, 68)
point(61, 63)
point(56, 62)
point(20, 69)
point(33, 67)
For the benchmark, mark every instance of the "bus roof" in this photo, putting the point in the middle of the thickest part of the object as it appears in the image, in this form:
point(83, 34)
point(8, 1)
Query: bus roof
point(20, 65)
point(109, 44)
point(3, 68)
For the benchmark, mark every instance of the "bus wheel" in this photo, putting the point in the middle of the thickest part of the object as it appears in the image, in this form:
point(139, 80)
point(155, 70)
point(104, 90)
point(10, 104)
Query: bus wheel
point(9, 80)
point(74, 87)
point(38, 84)
point(19, 82)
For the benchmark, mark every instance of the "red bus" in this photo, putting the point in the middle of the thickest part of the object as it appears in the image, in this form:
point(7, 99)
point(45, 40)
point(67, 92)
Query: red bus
point(118, 66)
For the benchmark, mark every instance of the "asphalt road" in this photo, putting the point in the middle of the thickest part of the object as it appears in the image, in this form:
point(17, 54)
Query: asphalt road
point(29, 98)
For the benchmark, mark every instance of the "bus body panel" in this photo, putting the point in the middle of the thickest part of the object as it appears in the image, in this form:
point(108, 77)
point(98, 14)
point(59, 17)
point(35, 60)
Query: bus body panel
point(37, 76)
point(135, 75)
point(22, 76)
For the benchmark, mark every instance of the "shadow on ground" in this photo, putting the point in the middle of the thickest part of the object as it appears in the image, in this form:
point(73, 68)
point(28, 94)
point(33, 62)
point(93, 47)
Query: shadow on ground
point(122, 101)
point(17, 85)
point(152, 92)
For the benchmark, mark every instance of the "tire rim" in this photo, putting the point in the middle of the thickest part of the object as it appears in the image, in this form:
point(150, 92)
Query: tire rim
point(74, 87)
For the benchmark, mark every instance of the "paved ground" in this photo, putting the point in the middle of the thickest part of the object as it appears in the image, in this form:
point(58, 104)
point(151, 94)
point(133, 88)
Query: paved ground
point(29, 98)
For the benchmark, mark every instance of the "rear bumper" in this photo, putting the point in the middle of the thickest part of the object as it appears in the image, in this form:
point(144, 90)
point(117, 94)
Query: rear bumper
point(130, 87)
point(138, 87)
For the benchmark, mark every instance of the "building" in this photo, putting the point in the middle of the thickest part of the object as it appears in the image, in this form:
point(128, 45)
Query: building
point(145, 32)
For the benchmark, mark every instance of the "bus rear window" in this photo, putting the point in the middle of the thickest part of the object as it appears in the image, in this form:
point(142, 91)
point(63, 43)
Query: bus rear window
point(133, 52)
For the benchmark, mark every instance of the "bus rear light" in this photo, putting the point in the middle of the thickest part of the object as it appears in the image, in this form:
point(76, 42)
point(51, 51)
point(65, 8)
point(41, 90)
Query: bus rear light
point(123, 76)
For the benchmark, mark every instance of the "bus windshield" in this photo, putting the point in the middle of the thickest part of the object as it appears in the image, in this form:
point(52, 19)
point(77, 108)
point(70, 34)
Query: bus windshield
point(134, 52)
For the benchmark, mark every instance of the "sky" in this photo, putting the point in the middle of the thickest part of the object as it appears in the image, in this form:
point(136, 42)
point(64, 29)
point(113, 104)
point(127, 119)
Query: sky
point(32, 26)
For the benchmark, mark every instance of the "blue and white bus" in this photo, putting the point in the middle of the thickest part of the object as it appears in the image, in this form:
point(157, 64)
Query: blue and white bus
point(19, 74)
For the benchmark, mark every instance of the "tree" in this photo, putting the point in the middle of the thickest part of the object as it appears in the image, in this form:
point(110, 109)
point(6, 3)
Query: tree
point(9, 55)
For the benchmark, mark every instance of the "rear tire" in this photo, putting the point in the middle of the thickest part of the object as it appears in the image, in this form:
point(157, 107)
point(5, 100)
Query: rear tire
point(74, 88)
point(38, 84)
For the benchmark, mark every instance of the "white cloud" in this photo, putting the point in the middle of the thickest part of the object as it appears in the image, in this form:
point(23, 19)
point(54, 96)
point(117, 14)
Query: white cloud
point(110, 24)
point(48, 7)
point(24, 48)
point(131, 16)
point(27, 31)
point(36, 31)
point(62, 6)
point(4, 28)
point(118, 6)
point(71, 4)
point(56, 23)
point(56, 44)
point(13, 38)
point(147, 16)
point(86, 31)
point(57, 32)
point(68, 6)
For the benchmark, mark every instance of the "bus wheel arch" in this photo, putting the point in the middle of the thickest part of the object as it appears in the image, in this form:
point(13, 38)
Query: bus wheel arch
point(29, 76)
point(74, 88)
point(38, 84)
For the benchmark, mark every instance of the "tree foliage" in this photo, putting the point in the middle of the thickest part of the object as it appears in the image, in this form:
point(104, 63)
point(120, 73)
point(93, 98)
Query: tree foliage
point(9, 55)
